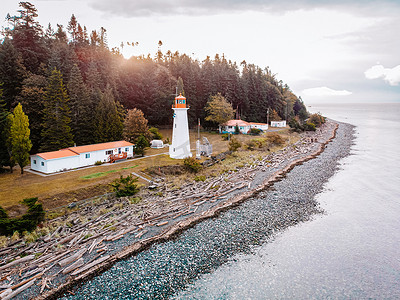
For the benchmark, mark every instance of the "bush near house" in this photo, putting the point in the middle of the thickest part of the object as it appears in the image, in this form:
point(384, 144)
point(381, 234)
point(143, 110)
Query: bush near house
point(125, 186)
point(234, 145)
point(255, 131)
point(155, 134)
point(316, 119)
point(192, 164)
point(309, 126)
point(28, 222)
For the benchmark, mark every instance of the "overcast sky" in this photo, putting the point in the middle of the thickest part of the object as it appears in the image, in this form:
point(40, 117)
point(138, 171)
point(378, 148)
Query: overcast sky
point(326, 50)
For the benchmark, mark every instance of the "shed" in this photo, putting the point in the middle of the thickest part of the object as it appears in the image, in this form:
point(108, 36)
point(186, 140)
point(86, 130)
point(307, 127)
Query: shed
point(157, 144)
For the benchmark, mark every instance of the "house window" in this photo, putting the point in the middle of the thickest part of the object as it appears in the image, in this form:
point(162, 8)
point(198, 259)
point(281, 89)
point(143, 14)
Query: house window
point(109, 152)
point(34, 161)
point(87, 155)
point(126, 149)
point(42, 163)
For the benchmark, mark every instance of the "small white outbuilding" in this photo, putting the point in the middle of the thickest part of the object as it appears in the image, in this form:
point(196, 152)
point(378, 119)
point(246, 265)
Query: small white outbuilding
point(157, 144)
point(278, 123)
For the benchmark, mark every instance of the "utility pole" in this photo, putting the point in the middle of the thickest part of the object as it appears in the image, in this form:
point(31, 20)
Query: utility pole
point(268, 116)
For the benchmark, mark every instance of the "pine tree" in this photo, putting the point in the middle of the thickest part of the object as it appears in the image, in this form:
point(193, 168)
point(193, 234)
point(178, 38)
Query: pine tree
point(12, 72)
point(108, 123)
point(4, 156)
point(32, 100)
point(19, 137)
point(6, 137)
point(56, 133)
point(81, 108)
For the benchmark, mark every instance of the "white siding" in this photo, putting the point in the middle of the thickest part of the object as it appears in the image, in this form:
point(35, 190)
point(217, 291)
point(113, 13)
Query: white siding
point(73, 162)
point(278, 123)
point(102, 156)
point(54, 165)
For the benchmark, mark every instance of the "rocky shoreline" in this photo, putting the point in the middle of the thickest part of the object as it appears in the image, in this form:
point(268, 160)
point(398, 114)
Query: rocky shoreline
point(91, 252)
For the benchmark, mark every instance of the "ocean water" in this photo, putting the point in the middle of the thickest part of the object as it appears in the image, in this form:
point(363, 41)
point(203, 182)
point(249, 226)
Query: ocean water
point(350, 252)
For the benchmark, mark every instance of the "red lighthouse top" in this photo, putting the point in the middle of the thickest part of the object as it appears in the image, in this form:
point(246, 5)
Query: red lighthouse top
point(180, 102)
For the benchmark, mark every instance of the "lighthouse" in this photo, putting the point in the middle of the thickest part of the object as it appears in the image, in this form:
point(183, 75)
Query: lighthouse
point(180, 147)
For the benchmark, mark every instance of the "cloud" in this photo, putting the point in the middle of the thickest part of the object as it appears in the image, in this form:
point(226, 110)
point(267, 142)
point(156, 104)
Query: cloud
point(130, 8)
point(392, 76)
point(324, 91)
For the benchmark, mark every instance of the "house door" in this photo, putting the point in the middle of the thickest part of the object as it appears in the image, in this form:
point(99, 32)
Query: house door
point(119, 151)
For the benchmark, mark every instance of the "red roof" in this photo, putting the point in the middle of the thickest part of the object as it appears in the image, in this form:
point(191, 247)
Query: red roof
point(102, 146)
point(75, 151)
point(57, 154)
point(236, 122)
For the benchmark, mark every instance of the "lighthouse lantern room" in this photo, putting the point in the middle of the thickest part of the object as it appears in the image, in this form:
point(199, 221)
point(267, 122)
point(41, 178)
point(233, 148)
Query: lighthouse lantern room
point(180, 147)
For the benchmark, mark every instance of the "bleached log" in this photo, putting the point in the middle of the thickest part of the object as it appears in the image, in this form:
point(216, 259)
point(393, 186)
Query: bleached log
point(90, 265)
point(140, 234)
point(17, 261)
point(55, 258)
point(5, 293)
point(162, 223)
point(73, 257)
point(79, 263)
point(21, 289)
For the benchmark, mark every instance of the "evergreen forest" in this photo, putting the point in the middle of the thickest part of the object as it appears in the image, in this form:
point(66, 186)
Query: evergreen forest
point(75, 89)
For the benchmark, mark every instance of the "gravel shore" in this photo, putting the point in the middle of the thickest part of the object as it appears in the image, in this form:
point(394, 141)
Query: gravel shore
point(166, 268)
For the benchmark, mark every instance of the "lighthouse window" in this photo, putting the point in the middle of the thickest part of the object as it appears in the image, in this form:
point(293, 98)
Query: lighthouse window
point(175, 125)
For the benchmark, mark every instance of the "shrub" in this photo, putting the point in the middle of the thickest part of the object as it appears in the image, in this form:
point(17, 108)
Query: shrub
point(3, 241)
point(251, 145)
point(200, 178)
point(316, 119)
point(237, 130)
point(135, 200)
point(225, 136)
point(192, 164)
point(166, 141)
point(98, 163)
point(234, 145)
point(309, 126)
point(276, 139)
point(141, 144)
point(28, 221)
point(295, 125)
point(255, 131)
point(125, 186)
point(155, 134)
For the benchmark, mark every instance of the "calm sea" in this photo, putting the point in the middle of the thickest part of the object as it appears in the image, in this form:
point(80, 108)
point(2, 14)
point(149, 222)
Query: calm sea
point(352, 251)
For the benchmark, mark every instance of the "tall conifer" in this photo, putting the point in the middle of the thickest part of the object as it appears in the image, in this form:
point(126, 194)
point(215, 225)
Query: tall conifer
point(107, 119)
point(81, 109)
point(56, 133)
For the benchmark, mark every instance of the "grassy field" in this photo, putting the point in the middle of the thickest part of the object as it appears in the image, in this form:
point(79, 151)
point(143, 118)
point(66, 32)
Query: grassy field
point(60, 189)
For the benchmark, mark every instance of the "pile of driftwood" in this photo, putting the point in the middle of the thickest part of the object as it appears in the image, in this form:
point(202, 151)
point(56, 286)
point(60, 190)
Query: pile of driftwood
point(82, 238)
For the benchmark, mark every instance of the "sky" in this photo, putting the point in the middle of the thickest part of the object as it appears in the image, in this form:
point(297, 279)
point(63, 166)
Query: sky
point(326, 50)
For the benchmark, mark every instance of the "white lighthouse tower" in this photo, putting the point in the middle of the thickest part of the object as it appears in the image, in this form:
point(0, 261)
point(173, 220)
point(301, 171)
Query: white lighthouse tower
point(180, 147)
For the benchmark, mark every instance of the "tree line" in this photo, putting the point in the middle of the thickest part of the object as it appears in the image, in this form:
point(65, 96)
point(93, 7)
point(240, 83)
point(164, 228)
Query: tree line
point(75, 89)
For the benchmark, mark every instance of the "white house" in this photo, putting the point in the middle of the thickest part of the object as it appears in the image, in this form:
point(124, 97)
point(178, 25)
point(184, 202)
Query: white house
point(229, 126)
point(261, 126)
point(80, 156)
point(278, 123)
point(244, 127)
